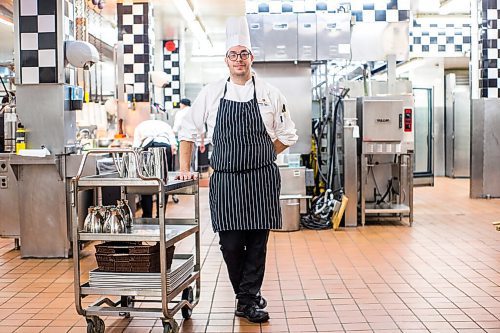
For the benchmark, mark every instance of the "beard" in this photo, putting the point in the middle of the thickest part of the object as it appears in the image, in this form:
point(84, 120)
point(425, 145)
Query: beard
point(242, 71)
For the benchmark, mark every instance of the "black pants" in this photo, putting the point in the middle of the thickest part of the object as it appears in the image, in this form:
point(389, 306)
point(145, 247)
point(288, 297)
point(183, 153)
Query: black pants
point(244, 252)
point(147, 199)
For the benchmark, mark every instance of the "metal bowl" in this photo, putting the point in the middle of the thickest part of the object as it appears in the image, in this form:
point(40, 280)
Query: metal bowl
point(104, 142)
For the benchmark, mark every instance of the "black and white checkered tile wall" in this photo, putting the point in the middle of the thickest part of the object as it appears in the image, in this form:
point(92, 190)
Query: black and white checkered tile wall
point(172, 68)
point(381, 11)
point(489, 65)
point(38, 58)
point(134, 20)
point(439, 39)
point(363, 11)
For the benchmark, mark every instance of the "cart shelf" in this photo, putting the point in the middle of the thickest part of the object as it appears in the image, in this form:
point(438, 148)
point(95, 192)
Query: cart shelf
point(393, 209)
point(87, 290)
point(145, 233)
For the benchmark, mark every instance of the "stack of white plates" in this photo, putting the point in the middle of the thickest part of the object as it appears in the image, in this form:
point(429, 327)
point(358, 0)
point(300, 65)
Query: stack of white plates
point(182, 267)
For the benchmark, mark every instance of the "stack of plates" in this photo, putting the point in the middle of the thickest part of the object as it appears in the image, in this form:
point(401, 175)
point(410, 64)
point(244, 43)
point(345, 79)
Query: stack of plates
point(182, 267)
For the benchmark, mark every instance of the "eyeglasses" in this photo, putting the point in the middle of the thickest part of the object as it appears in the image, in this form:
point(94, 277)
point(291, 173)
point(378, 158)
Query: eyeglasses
point(233, 56)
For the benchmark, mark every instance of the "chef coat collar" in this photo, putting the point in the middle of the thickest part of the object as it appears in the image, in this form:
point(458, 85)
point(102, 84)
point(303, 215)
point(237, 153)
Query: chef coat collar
point(247, 83)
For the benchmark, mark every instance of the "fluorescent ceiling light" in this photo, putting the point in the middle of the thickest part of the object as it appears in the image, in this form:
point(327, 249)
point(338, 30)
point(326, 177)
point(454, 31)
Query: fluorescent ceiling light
point(10, 24)
point(204, 59)
point(185, 10)
point(197, 30)
point(192, 21)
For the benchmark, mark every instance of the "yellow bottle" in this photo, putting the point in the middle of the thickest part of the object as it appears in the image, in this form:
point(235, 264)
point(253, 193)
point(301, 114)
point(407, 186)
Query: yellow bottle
point(20, 138)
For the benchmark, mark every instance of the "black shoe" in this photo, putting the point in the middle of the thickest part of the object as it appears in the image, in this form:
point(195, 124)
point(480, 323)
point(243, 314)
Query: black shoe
point(252, 312)
point(261, 302)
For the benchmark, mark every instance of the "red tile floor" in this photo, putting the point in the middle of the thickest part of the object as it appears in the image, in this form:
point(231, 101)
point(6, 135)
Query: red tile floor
point(441, 275)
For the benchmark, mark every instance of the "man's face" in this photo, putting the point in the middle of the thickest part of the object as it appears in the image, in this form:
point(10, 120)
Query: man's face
point(239, 66)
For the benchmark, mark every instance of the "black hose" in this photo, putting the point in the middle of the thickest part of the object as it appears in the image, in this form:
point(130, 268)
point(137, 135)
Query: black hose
point(389, 187)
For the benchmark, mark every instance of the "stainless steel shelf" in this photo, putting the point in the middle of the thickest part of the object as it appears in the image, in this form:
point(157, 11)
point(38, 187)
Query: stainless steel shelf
point(146, 233)
point(87, 290)
point(121, 311)
point(394, 209)
point(112, 179)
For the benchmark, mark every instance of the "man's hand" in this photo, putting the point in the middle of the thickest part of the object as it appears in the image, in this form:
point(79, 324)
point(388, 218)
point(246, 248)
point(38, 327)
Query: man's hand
point(186, 175)
point(174, 149)
point(278, 146)
point(185, 149)
point(202, 148)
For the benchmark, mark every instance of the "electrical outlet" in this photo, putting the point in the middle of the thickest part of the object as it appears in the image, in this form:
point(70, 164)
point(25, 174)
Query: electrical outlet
point(3, 166)
point(3, 182)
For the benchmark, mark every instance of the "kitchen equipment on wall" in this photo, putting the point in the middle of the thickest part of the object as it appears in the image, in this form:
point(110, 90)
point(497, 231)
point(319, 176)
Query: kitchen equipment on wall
point(306, 27)
point(300, 37)
point(8, 121)
point(281, 37)
point(256, 27)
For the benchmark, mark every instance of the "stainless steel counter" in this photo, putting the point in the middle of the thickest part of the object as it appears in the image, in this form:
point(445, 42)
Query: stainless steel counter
point(35, 202)
point(9, 189)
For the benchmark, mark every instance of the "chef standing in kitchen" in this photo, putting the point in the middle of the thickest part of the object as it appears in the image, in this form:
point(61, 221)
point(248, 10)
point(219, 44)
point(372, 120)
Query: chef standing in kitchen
point(249, 123)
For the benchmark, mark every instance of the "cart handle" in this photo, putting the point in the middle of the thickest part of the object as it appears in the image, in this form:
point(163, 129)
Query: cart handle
point(114, 151)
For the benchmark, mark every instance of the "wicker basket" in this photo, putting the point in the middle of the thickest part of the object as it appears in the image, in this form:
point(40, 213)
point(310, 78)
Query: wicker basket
point(137, 258)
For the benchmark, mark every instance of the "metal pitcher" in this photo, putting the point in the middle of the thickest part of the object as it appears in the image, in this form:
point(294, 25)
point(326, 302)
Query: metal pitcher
point(126, 212)
point(120, 163)
point(154, 162)
point(114, 223)
point(125, 164)
point(93, 221)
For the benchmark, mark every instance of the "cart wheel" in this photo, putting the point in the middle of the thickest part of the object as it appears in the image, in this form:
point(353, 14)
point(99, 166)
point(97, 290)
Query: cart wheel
point(175, 199)
point(90, 326)
point(170, 327)
point(187, 294)
point(100, 327)
point(127, 301)
point(95, 325)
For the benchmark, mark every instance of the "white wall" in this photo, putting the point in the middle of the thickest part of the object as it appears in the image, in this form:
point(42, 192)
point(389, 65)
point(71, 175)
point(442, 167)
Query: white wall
point(204, 70)
point(7, 43)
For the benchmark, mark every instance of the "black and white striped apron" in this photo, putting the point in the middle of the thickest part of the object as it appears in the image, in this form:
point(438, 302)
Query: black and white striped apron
point(245, 185)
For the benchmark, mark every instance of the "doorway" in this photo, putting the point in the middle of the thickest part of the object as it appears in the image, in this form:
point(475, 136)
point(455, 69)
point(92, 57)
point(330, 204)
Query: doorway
point(423, 172)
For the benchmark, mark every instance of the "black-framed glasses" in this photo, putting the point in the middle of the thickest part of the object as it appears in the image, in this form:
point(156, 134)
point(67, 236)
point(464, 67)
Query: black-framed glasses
point(233, 56)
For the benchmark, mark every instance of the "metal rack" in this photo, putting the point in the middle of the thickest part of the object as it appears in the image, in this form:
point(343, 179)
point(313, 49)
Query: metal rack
point(163, 230)
point(401, 208)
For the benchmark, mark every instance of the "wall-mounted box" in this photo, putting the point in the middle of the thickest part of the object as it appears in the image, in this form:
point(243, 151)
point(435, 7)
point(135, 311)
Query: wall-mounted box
point(256, 27)
point(280, 33)
point(306, 27)
point(333, 33)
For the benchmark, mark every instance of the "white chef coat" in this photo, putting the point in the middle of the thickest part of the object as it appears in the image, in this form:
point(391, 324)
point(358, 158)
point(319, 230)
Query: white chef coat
point(272, 104)
point(158, 130)
point(179, 116)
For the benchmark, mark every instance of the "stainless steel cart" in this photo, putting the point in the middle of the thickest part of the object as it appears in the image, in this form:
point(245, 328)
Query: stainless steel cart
point(163, 230)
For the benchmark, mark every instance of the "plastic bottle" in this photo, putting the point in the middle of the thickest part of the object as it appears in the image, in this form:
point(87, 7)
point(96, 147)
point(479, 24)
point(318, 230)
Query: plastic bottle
point(20, 138)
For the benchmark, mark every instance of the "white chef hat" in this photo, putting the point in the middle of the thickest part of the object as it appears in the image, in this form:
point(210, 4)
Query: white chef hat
point(237, 32)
